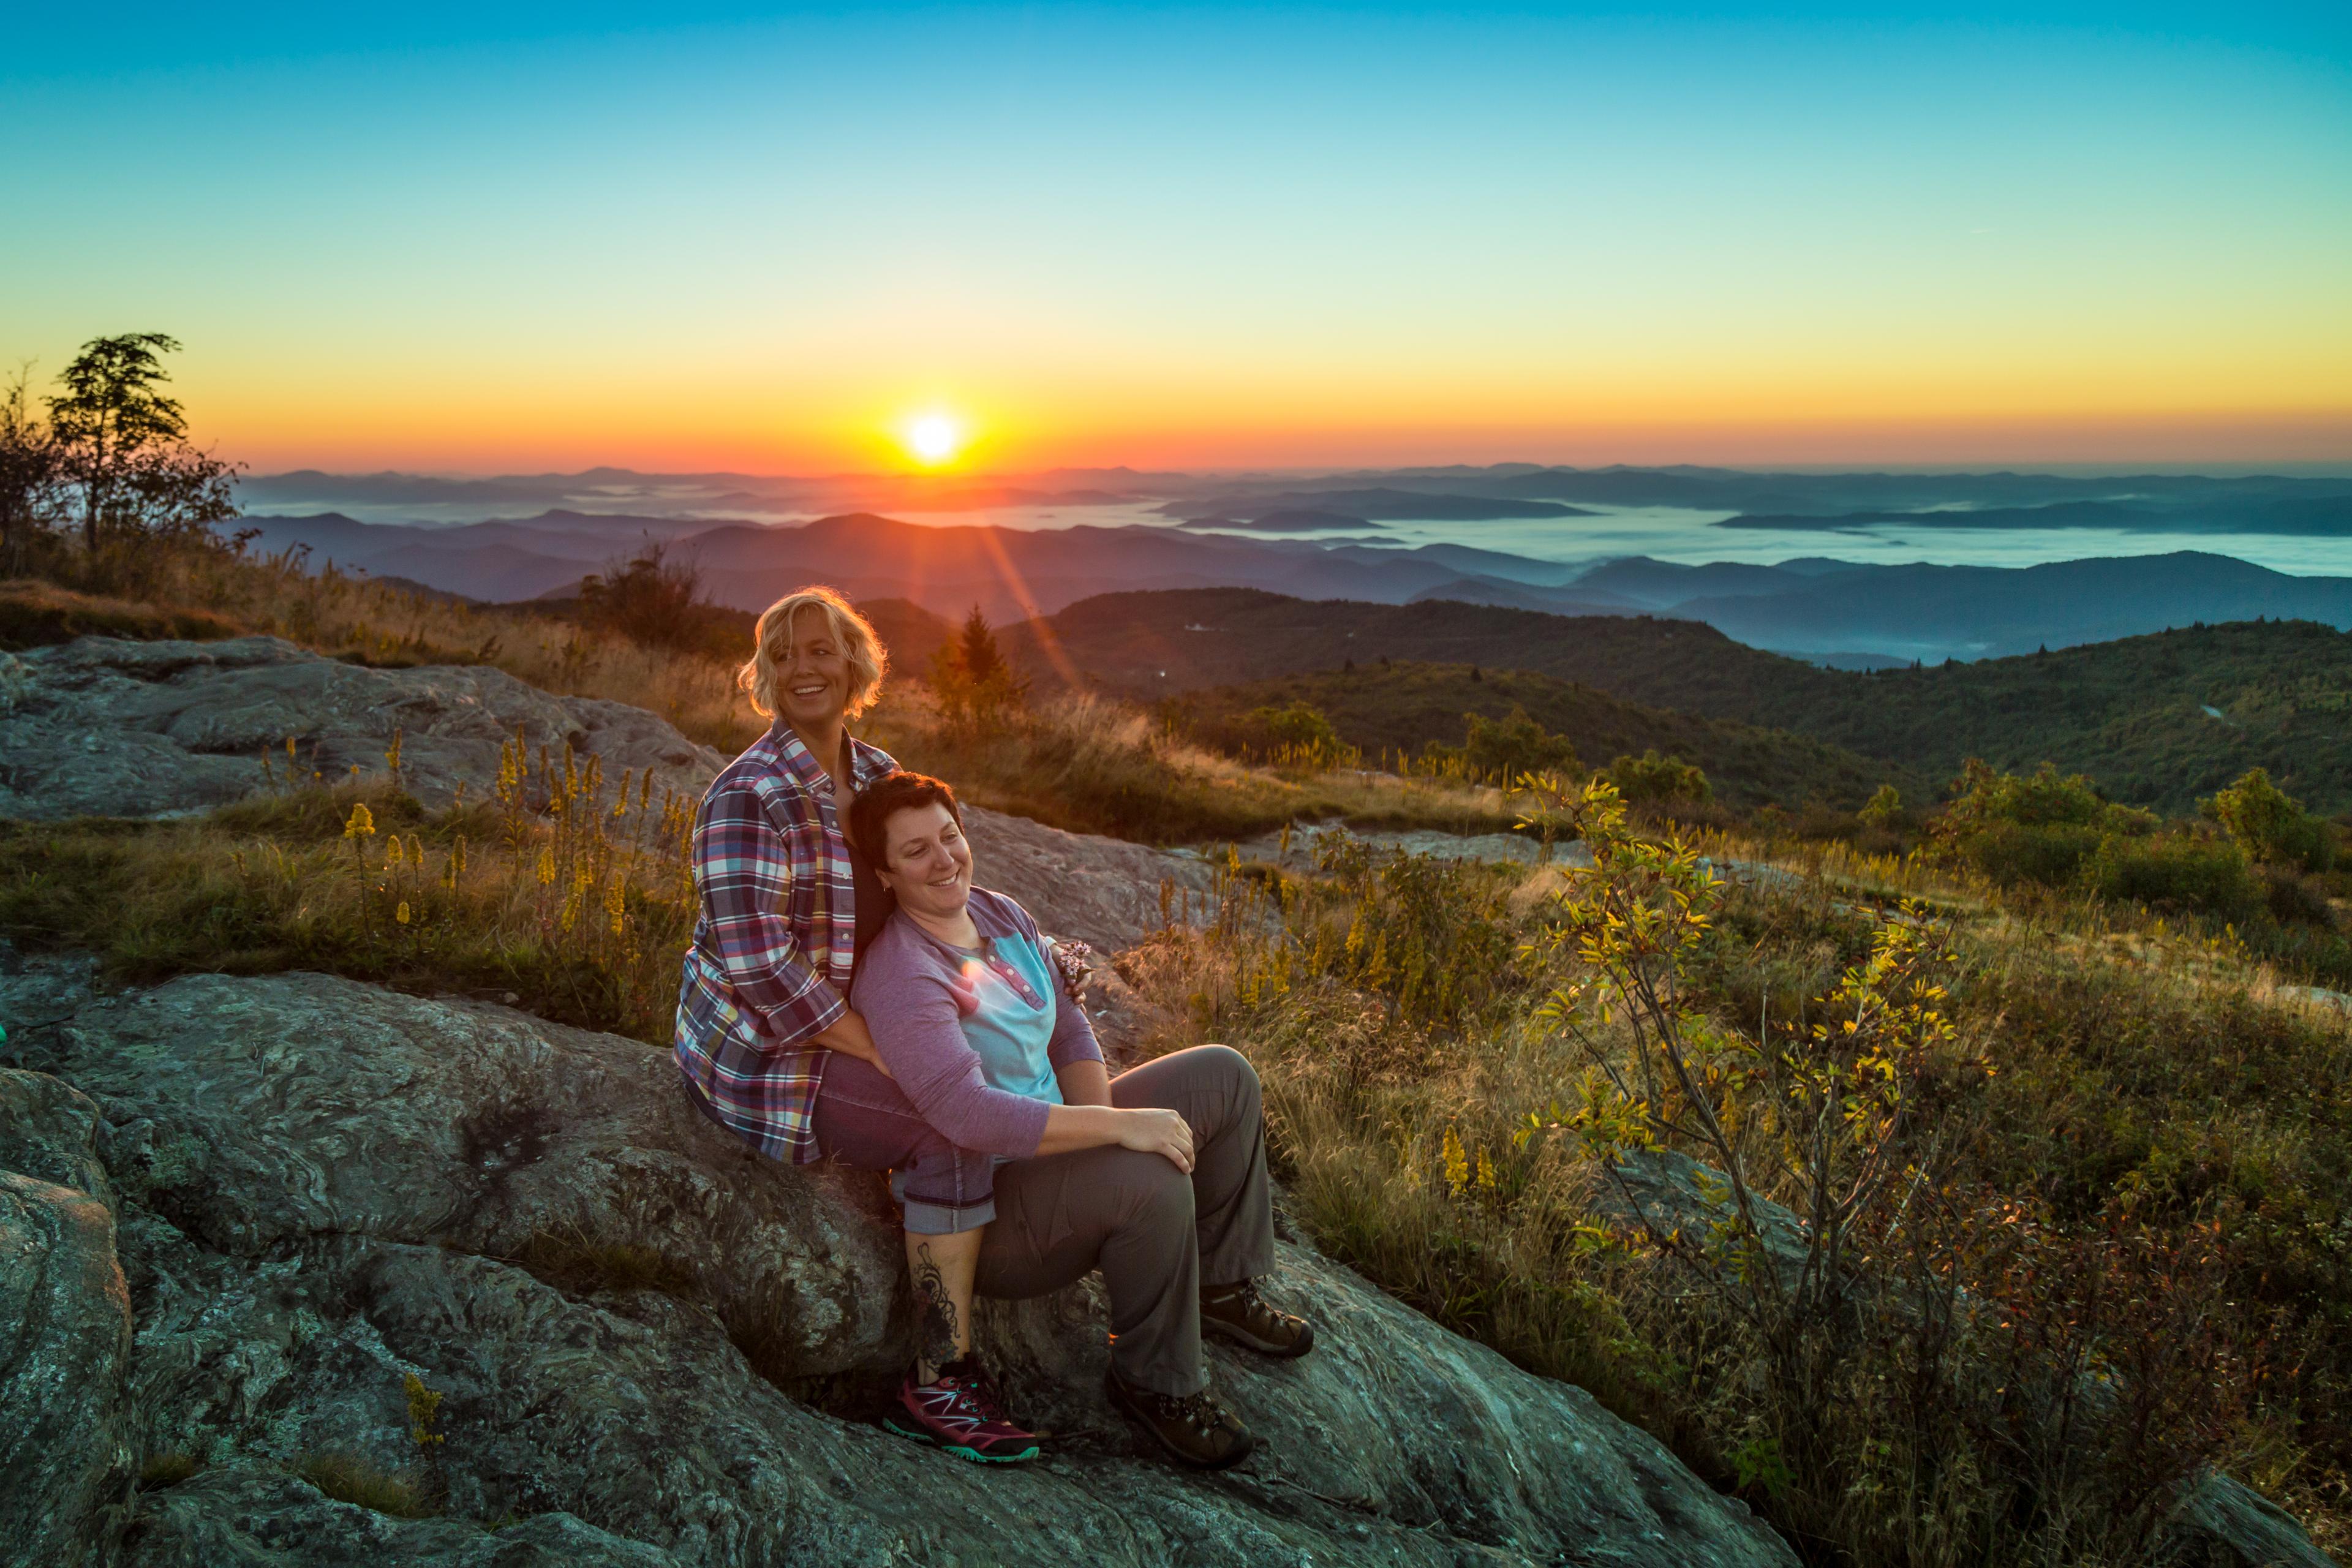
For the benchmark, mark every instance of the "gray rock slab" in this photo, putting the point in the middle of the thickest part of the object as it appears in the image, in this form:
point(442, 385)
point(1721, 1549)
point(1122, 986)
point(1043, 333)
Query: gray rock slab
point(259, 1516)
point(65, 1337)
point(1105, 891)
point(103, 727)
point(2221, 1524)
point(1307, 839)
point(644, 1337)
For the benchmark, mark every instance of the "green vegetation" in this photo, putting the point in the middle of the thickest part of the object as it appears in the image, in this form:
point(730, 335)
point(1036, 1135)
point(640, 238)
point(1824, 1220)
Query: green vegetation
point(2110, 1129)
point(971, 681)
point(2054, 831)
point(1659, 782)
point(111, 460)
point(1510, 720)
point(2272, 827)
point(2132, 713)
point(1500, 751)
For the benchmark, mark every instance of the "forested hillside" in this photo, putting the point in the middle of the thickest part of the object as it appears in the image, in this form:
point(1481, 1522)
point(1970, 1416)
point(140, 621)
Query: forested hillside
point(2158, 721)
point(1404, 706)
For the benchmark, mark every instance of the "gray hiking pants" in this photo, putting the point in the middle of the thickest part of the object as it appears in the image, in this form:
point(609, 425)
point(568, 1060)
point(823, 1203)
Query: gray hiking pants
point(1157, 1233)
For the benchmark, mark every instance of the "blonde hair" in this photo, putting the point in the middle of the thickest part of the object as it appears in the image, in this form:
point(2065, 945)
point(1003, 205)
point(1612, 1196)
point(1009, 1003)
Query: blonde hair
point(869, 660)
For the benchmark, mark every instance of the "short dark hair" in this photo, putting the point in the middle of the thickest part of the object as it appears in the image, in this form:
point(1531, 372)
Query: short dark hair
point(894, 791)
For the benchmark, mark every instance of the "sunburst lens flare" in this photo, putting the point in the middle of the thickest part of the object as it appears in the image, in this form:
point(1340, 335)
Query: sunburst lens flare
point(934, 438)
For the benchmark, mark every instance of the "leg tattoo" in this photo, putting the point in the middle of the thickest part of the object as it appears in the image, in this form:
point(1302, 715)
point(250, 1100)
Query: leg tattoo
point(935, 1331)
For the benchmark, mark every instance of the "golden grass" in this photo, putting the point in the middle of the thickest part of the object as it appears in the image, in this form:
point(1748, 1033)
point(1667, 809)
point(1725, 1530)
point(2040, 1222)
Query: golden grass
point(567, 894)
point(1092, 764)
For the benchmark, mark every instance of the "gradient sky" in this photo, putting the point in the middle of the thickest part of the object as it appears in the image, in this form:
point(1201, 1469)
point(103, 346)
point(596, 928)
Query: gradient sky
point(494, 239)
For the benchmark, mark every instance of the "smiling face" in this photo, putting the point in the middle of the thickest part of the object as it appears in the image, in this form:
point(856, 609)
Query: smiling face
point(811, 673)
point(926, 861)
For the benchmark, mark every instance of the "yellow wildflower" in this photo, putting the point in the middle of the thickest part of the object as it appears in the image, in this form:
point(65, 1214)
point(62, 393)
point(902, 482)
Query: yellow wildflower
point(1457, 1163)
point(401, 915)
point(546, 866)
point(361, 824)
point(396, 852)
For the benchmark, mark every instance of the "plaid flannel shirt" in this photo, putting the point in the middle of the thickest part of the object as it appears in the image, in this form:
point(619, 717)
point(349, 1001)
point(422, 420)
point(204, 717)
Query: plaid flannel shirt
point(770, 963)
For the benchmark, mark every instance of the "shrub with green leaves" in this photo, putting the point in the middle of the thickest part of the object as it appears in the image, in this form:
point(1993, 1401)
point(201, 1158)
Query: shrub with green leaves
point(1505, 749)
point(2270, 824)
point(1883, 808)
point(2183, 871)
point(1655, 780)
point(1296, 734)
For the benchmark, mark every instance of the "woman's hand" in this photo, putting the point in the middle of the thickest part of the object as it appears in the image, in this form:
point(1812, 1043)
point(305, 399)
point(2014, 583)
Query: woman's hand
point(1151, 1131)
point(849, 1035)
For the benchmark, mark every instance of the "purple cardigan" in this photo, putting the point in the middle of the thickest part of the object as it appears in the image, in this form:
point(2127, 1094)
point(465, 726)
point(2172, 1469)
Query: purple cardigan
point(906, 991)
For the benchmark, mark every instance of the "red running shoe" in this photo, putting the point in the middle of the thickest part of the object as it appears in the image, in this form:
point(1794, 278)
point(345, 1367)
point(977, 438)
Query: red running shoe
point(960, 1412)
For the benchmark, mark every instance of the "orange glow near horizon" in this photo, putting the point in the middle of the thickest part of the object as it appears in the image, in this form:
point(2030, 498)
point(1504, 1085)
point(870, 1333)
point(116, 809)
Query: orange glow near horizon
point(457, 435)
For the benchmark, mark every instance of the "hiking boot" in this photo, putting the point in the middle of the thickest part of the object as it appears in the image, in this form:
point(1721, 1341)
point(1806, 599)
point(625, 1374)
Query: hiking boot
point(1240, 1314)
point(962, 1413)
point(1195, 1430)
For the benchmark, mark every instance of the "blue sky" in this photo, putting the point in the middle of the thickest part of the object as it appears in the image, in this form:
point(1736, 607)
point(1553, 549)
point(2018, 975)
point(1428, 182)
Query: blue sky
point(479, 236)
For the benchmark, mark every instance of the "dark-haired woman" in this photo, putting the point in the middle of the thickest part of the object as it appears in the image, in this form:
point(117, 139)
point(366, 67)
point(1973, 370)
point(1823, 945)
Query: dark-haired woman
point(1022, 1164)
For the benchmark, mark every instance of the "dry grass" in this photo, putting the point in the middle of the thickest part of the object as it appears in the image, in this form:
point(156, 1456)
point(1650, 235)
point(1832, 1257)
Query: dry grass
point(34, 614)
point(347, 1478)
point(1095, 765)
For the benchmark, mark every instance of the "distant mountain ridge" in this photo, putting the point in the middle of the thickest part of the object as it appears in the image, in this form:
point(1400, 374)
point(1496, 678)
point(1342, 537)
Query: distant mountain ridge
point(1816, 607)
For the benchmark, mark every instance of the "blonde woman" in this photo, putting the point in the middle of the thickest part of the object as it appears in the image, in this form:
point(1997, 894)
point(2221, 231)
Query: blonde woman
point(786, 901)
point(788, 904)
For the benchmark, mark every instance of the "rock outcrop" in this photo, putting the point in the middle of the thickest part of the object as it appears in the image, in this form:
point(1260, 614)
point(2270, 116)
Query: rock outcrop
point(64, 1328)
point(649, 1345)
point(102, 727)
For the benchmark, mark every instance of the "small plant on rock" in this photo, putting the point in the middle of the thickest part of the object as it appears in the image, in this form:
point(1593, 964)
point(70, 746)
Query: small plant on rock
point(348, 1477)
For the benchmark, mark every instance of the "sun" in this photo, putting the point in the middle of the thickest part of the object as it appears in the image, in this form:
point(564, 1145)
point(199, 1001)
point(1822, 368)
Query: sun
point(934, 438)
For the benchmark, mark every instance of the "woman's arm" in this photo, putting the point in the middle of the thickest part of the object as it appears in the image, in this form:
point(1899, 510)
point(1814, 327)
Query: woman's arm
point(1147, 1129)
point(849, 1035)
point(743, 872)
point(1086, 1082)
